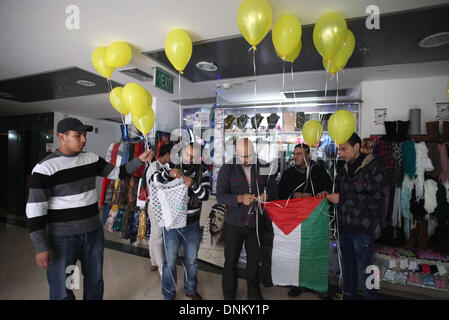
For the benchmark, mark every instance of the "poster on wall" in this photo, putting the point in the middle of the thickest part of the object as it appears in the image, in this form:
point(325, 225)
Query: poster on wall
point(212, 240)
point(442, 111)
point(380, 115)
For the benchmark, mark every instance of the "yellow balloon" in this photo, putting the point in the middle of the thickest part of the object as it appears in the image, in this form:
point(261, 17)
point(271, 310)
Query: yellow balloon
point(136, 99)
point(254, 19)
point(98, 59)
point(116, 100)
point(312, 132)
point(286, 35)
point(329, 34)
point(178, 48)
point(146, 122)
point(341, 126)
point(346, 51)
point(292, 56)
point(118, 54)
point(330, 67)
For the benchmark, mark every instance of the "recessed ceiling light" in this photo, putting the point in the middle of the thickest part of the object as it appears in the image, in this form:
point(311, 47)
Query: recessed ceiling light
point(206, 66)
point(435, 40)
point(86, 83)
point(6, 95)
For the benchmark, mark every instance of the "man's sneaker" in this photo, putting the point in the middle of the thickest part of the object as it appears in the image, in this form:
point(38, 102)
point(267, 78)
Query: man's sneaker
point(194, 296)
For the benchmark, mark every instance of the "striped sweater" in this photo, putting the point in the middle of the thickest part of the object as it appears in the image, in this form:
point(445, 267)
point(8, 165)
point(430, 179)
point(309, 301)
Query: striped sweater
point(63, 197)
point(197, 193)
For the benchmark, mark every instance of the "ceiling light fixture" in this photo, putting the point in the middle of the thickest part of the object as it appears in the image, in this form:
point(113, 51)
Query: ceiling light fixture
point(206, 66)
point(435, 40)
point(86, 83)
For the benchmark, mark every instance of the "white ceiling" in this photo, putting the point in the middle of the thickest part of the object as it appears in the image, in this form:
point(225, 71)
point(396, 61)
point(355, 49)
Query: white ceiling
point(34, 39)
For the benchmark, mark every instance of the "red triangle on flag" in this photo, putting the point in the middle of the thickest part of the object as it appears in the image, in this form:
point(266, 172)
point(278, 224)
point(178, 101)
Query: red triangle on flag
point(297, 210)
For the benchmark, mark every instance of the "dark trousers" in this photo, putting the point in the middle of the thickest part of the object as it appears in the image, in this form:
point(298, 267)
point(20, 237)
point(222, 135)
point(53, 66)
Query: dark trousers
point(357, 251)
point(234, 237)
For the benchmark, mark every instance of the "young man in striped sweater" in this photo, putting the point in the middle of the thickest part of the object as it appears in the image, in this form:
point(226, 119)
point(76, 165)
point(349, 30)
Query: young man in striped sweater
point(62, 210)
point(195, 177)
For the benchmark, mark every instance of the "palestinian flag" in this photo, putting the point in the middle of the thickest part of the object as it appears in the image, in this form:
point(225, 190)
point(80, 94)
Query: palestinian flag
point(296, 244)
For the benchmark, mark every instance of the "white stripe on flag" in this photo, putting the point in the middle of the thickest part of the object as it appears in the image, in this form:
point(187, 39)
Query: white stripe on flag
point(285, 257)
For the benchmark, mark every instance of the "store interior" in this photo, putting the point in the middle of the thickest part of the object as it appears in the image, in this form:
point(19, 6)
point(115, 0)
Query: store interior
point(395, 84)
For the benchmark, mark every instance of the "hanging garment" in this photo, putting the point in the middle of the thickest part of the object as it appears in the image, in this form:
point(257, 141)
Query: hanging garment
point(434, 156)
point(423, 164)
point(142, 228)
point(111, 218)
point(169, 203)
point(396, 220)
point(125, 229)
point(106, 210)
point(409, 159)
point(398, 171)
point(444, 177)
point(296, 251)
point(406, 195)
point(118, 220)
point(430, 195)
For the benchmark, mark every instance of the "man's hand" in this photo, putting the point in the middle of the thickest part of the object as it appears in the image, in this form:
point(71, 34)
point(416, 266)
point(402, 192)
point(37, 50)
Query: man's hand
point(146, 156)
point(175, 173)
point(188, 181)
point(43, 259)
point(334, 198)
point(246, 198)
point(323, 194)
point(263, 197)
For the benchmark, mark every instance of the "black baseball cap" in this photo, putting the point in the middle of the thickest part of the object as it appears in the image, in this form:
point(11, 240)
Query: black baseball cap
point(72, 124)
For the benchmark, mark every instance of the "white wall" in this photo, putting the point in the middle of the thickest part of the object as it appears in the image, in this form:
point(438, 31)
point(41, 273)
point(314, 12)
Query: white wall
point(399, 96)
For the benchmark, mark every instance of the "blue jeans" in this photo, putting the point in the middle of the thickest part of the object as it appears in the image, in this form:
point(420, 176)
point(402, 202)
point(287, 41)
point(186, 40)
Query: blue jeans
point(67, 250)
point(190, 237)
point(357, 251)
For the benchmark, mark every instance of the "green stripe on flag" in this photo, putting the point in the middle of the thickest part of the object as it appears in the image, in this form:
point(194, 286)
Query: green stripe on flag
point(314, 255)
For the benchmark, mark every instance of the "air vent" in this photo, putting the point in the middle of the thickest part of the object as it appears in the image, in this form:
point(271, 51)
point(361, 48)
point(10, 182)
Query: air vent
point(435, 40)
point(314, 93)
point(137, 74)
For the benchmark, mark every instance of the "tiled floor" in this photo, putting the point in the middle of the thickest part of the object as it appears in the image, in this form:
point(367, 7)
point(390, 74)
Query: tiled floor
point(126, 276)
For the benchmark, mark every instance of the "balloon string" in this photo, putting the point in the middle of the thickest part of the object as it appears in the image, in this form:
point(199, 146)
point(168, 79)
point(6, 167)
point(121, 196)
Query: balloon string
point(180, 116)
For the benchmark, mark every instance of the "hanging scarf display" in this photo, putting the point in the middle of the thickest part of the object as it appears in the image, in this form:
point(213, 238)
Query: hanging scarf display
point(423, 164)
point(430, 195)
point(409, 159)
point(406, 195)
point(444, 177)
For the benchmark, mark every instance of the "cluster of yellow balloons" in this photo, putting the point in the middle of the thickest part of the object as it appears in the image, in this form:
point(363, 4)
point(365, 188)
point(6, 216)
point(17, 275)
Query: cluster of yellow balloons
point(178, 48)
point(334, 41)
point(106, 59)
point(254, 19)
point(286, 36)
point(341, 126)
point(137, 100)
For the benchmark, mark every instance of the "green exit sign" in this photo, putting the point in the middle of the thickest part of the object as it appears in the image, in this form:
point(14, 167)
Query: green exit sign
point(163, 80)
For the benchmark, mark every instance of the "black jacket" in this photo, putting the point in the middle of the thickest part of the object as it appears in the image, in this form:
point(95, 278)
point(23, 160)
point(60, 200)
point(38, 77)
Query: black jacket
point(362, 195)
point(232, 182)
point(293, 177)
